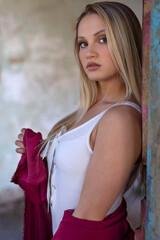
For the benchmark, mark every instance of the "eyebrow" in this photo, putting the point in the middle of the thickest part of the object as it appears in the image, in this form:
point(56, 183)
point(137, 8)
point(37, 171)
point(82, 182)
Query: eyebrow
point(95, 34)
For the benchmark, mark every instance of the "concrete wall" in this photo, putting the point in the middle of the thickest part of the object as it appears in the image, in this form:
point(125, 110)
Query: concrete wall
point(38, 73)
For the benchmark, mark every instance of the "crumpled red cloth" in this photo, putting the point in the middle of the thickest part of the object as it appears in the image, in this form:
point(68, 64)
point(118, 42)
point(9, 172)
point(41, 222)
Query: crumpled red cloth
point(113, 227)
point(31, 176)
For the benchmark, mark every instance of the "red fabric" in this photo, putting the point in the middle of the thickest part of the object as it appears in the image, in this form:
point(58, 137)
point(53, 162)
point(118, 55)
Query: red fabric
point(113, 227)
point(31, 176)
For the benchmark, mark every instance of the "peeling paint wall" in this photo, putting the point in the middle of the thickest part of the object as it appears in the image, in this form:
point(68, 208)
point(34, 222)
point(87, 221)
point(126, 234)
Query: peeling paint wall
point(153, 147)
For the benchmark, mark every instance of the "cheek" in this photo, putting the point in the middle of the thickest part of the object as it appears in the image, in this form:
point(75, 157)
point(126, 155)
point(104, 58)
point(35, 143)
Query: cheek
point(105, 54)
point(109, 61)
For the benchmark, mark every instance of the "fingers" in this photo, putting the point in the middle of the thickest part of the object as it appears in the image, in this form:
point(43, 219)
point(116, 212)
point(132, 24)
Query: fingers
point(20, 137)
point(19, 143)
point(23, 130)
point(21, 150)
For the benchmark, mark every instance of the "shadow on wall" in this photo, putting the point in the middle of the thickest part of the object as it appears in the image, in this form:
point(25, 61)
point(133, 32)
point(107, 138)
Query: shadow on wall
point(11, 214)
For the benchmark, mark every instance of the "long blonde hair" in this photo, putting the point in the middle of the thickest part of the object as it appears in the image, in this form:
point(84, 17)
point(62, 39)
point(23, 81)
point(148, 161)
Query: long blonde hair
point(124, 39)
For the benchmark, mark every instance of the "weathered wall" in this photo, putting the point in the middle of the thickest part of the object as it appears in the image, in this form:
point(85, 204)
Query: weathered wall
point(153, 141)
point(38, 80)
point(39, 76)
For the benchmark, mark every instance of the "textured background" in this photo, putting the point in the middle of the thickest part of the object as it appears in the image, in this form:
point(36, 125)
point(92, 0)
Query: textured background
point(39, 79)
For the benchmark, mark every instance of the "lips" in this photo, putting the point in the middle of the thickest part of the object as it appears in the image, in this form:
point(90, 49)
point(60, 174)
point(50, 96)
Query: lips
point(92, 66)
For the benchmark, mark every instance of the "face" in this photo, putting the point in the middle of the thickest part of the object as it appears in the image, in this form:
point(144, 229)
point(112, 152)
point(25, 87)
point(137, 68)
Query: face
point(93, 50)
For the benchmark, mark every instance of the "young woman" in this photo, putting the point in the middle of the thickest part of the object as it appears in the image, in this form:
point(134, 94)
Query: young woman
point(93, 153)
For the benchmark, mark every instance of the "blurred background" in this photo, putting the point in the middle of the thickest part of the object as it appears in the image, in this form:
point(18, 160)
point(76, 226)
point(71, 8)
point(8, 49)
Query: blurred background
point(39, 81)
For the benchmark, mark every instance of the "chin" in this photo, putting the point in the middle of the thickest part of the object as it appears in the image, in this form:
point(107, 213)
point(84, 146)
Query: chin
point(93, 80)
point(96, 79)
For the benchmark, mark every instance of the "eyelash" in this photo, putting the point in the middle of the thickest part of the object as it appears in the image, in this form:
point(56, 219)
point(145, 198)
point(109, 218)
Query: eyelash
point(80, 43)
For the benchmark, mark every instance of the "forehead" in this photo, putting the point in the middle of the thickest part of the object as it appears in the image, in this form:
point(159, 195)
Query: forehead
point(90, 24)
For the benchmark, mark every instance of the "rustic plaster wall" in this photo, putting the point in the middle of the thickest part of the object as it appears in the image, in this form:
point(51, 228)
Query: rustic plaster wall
point(38, 76)
point(38, 72)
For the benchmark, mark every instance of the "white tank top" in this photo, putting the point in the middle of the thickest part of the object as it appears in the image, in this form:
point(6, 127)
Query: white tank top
point(70, 152)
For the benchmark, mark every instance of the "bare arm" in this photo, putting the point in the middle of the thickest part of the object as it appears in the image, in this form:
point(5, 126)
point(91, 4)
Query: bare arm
point(117, 147)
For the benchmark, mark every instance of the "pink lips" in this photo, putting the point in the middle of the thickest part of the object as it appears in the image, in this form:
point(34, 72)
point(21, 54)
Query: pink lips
point(92, 66)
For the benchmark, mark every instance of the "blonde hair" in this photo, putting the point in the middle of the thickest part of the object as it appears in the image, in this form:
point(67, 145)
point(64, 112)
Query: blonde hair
point(123, 33)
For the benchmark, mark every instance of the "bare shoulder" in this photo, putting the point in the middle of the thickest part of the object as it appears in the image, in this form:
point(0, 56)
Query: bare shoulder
point(119, 129)
point(122, 116)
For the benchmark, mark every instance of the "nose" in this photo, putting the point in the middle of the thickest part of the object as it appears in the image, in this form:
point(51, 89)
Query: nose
point(91, 51)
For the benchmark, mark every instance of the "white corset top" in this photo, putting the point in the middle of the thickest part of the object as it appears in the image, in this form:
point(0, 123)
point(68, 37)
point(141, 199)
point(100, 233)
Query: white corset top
point(68, 156)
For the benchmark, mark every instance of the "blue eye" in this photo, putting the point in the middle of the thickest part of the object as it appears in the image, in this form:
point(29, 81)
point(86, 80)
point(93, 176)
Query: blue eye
point(103, 40)
point(82, 44)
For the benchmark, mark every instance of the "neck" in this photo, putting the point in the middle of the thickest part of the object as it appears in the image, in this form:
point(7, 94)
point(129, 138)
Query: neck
point(111, 91)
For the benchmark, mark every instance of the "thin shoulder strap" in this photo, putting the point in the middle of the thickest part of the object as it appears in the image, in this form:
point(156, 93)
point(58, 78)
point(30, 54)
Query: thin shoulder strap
point(134, 105)
point(93, 124)
point(98, 117)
